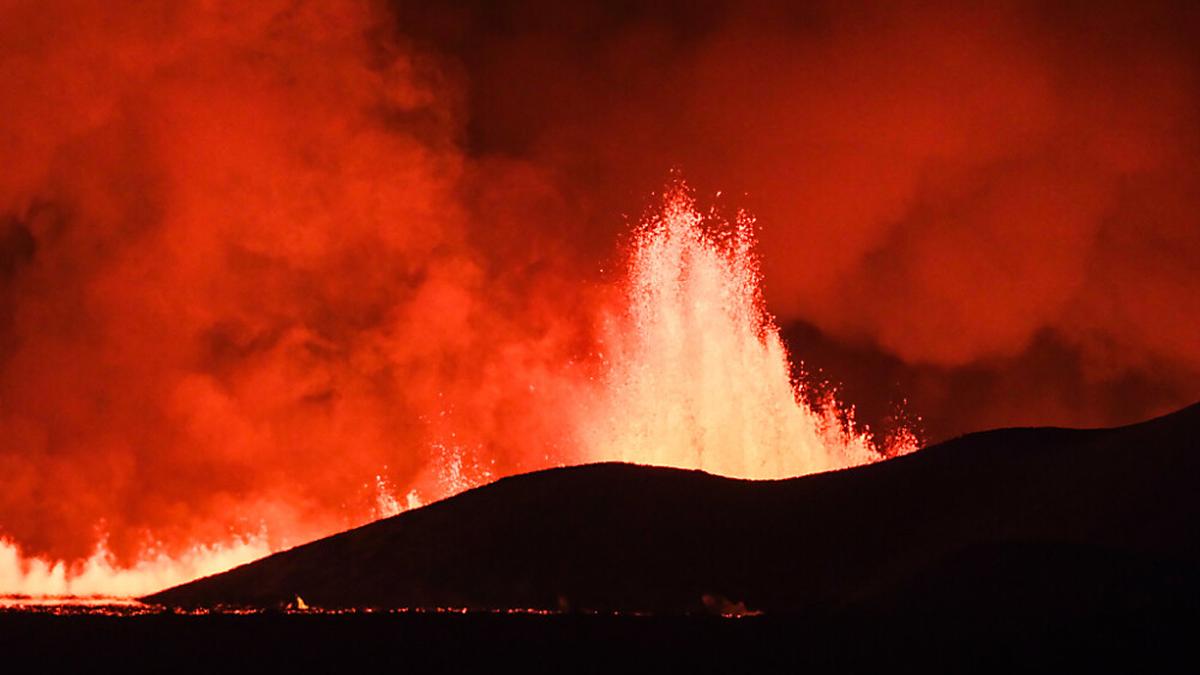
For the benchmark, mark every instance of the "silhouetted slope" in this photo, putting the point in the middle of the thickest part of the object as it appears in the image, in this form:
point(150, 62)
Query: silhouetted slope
point(1017, 520)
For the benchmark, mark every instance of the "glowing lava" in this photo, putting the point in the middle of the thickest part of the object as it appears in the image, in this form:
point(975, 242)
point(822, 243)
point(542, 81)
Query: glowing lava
point(697, 375)
point(99, 576)
point(693, 374)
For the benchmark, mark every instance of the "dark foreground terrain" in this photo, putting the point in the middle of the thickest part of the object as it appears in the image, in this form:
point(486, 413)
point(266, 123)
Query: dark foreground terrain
point(1028, 525)
point(276, 642)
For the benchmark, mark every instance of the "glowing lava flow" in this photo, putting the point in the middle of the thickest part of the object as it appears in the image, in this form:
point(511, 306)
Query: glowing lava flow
point(697, 375)
point(99, 576)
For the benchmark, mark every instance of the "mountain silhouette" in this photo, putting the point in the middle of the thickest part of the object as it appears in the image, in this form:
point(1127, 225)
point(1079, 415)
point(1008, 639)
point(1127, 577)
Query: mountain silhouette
point(1026, 522)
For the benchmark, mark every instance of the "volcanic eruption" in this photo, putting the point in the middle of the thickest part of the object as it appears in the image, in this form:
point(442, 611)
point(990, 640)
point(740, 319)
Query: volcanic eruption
point(272, 272)
point(690, 373)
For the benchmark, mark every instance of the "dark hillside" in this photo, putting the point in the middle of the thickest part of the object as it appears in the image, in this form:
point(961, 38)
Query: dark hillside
point(1048, 522)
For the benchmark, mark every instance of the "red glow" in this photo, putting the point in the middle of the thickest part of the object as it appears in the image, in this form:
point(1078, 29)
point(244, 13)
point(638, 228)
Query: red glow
point(270, 270)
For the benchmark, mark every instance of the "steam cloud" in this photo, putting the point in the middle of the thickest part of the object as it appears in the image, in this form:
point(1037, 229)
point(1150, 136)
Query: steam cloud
point(250, 255)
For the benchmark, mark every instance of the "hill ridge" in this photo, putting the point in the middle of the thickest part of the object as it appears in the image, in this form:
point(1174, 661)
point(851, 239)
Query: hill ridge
point(1119, 502)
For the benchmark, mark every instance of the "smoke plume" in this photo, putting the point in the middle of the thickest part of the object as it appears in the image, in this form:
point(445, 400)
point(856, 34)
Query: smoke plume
point(238, 275)
point(996, 205)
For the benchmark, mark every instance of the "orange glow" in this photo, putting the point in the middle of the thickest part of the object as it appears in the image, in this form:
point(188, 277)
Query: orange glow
point(100, 575)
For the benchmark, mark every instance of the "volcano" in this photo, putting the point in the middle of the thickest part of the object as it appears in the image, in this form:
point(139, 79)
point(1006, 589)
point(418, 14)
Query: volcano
point(1022, 522)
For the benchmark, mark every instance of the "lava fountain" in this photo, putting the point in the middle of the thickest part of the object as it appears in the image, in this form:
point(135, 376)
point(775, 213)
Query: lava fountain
point(691, 372)
point(696, 374)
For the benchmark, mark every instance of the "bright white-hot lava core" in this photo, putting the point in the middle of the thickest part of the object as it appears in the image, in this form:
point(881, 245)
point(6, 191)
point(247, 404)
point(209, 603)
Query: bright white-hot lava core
point(696, 373)
point(692, 374)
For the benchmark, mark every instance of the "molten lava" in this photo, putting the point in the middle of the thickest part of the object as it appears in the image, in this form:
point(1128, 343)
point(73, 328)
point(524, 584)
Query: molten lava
point(100, 576)
point(697, 375)
point(692, 374)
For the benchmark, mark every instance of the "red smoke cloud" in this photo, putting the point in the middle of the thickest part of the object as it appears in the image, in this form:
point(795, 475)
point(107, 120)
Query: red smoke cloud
point(950, 180)
point(239, 279)
point(252, 254)
point(958, 188)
